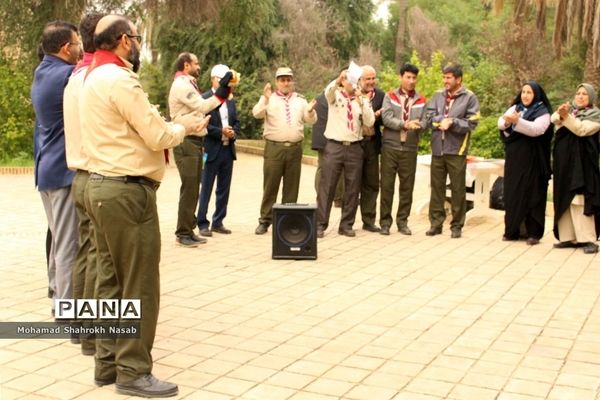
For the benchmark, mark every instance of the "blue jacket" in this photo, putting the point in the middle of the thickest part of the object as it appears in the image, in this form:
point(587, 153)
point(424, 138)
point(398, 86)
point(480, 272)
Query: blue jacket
point(49, 82)
point(212, 142)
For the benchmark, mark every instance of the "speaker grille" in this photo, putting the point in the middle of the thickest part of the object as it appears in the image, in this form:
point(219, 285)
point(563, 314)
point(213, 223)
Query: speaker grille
point(295, 230)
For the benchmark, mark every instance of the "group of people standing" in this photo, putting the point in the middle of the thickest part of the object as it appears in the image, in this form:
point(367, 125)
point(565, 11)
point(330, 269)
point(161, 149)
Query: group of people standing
point(527, 129)
point(100, 157)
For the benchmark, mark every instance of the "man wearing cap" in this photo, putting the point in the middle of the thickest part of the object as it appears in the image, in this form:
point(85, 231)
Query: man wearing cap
point(285, 112)
point(185, 98)
point(347, 115)
point(124, 137)
point(219, 154)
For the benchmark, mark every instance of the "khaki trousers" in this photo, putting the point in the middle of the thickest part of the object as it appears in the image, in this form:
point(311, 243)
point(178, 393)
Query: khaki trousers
point(404, 165)
point(128, 254)
point(188, 158)
point(455, 167)
point(84, 271)
point(574, 226)
point(281, 162)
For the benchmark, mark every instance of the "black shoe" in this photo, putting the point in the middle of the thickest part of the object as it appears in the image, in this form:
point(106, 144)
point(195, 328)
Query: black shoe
point(186, 242)
point(105, 381)
point(371, 228)
point(197, 239)
point(385, 230)
point(148, 386)
point(403, 229)
point(205, 232)
point(320, 233)
point(88, 351)
point(261, 229)
point(221, 229)
point(565, 245)
point(346, 232)
point(532, 241)
point(456, 233)
point(590, 248)
point(434, 231)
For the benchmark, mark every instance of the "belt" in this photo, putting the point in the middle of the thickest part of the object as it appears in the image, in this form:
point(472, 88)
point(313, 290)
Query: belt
point(142, 180)
point(285, 144)
point(368, 138)
point(344, 142)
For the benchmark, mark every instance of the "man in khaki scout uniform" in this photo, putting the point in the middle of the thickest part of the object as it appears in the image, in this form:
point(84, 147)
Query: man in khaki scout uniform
point(285, 112)
point(371, 145)
point(124, 137)
point(343, 152)
point(454, 114)
point(84, 271)
point(185, 98)
point(403, 109)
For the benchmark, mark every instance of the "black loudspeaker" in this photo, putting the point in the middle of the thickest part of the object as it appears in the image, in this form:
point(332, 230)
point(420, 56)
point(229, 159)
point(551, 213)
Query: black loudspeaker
point(294, 231)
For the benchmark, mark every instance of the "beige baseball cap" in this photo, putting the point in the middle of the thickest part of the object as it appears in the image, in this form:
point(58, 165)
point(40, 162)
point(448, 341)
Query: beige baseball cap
point(284, 71)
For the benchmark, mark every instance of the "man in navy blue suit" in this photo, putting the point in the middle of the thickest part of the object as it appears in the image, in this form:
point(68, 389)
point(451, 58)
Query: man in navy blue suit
point(219, 153)
point(62, 50)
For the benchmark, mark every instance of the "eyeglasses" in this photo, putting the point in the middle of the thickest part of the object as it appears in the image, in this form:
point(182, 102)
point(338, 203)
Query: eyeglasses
point(72, 44)
point(136, 37)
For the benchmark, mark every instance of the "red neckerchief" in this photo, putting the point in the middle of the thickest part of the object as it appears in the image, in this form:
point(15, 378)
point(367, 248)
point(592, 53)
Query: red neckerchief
point(84, 62)
point(406, 106)
point(191, 79)
point(449, 101)
point(349, 116)
point(286, 100)
point(103, 57)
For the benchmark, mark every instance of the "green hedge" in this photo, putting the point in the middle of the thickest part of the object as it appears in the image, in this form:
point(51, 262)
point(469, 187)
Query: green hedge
point(16, 115)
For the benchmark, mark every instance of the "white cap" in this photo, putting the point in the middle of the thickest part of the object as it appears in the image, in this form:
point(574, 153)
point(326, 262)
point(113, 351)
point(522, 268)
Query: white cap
point(354, 73)
point(219, 70)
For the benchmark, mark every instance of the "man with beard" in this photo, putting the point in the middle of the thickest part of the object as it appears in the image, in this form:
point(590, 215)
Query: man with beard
point(454, 114)
point(185, 98)
point(403, 109)
point(371, 145)
point(62, 50)
point(84, 271)
point(343, 154)
point(285, 112)
point(124, 137)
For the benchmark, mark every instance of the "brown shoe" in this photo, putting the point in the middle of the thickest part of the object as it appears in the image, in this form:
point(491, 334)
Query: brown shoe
point(347, 232)
point(590, 248)
point(456, 233)
point(533, 241)
point(434, 231)
point(221, 229)
point(565, 245)
point(205, 232)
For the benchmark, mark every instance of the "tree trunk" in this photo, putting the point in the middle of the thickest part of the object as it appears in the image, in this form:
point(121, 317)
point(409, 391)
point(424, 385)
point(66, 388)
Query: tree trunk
point(401, 32)
point(591, 74)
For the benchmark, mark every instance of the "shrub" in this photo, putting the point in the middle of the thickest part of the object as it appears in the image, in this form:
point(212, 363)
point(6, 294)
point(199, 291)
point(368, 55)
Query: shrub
point(16, 114)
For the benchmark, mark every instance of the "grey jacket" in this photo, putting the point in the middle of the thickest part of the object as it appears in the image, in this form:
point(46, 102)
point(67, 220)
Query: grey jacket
point(393, 124)
point(464, 112)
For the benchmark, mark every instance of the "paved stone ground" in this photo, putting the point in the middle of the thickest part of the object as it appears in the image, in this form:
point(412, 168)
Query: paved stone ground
point(375, 318)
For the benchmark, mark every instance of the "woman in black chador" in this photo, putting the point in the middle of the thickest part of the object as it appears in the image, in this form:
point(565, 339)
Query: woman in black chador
point(526, 132)
point(576, 174)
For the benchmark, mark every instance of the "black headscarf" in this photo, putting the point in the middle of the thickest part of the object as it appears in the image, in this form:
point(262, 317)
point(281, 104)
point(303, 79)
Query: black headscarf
point(539, 106)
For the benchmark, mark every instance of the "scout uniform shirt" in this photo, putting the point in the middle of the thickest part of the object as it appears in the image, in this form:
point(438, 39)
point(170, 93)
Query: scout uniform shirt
point(76, 156)
point(346, 115)
point(284, 116)
point(123, 134)
point(185, 97)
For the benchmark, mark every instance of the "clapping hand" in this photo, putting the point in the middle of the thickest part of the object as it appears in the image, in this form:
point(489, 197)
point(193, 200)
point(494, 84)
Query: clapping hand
point(267, 91)
point(412, 124)
point(446, 123)
point(512, 118)
point(563, 110)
